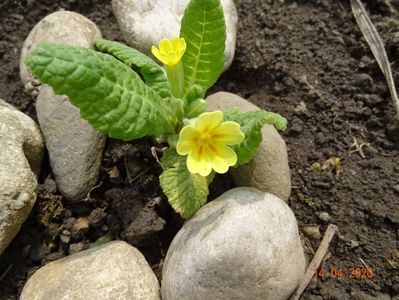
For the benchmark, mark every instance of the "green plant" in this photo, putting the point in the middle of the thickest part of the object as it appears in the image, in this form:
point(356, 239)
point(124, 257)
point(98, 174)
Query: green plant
point(127, 95)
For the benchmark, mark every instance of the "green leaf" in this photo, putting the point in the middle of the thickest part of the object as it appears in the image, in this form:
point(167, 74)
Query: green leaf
point(153, 74)
point(170, 158)
point(251, 125)
point(195, 92)
point(101, 240)
point(275, 119)
point(110, 95)
point(186, 192)
point(195, 108)
point(204, 31)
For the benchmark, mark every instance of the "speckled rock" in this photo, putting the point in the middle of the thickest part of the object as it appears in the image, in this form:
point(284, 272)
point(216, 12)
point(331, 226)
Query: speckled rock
point(75, 148)
point(243, 245)
point(137, 20)
point(268, 170)
point(114, 270)
point(21, 148)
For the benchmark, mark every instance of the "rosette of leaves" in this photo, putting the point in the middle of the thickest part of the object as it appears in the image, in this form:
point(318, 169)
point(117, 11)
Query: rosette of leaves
point(127, 95)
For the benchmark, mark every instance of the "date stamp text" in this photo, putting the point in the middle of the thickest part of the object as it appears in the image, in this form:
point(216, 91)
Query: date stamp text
point(340, 272)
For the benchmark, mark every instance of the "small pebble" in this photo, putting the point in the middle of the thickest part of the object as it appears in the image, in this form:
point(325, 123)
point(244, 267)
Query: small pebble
point(311, 231)
point(324, 216)
point(75, 248)
point(362, 80)
point(81, 225)
point(65, 238)
point(96, 217)
point(297, 125)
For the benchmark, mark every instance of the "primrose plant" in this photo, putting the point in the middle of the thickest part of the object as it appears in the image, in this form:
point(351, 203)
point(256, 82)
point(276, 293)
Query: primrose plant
point(127, 95)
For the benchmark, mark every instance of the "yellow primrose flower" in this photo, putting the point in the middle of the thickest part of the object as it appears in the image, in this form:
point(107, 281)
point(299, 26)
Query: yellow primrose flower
point(205, 142)
point(170, 52)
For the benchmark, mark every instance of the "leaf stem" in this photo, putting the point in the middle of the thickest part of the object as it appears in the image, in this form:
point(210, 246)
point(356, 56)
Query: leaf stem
point(176, 79)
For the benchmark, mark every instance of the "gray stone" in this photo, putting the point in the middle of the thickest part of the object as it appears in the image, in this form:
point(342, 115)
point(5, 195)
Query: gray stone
point(75, 148)
point(268, 170)
point(114, 270)
point(243, 245)
point(61, 27)
point(137, 19)
point(21, 148)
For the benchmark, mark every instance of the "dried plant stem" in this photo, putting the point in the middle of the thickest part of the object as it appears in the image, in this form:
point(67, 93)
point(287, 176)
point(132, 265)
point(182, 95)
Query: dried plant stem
point(377, 47)
point(316, 261)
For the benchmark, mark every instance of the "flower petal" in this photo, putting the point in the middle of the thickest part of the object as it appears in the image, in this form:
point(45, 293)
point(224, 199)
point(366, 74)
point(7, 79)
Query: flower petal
point(172, 59)
point(179, 45)
point(187, 140)
point(202, 167)
point(155, 51)
point(228, 133)
point(219, 165)
point(207, 122)
point(226, 158)
point(228, 155)
point(165, 46)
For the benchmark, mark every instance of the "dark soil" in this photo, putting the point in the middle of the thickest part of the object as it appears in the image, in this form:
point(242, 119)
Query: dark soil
point(306, 60)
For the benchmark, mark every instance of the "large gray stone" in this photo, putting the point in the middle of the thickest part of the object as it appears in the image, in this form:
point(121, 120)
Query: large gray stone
point(61, 27)
point(115, 270)
point(268, 170)
point(146, 22)
point(75, 148)
point(243, 245)
point(21, 153)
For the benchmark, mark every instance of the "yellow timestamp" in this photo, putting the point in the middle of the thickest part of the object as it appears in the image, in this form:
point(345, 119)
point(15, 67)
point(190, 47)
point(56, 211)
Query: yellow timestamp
point(340, 272)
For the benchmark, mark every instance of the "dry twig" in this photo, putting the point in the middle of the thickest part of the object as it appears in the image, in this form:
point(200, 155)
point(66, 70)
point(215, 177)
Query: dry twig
point(376, 45)
point(316, 261)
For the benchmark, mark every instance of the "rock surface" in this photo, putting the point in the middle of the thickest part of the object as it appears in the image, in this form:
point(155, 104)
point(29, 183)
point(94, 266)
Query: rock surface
point(243, 245)
point(268, 170)
point(137, 19)
point(114, 270)
point(21, 153)
point(61, 27)
point(75, 148)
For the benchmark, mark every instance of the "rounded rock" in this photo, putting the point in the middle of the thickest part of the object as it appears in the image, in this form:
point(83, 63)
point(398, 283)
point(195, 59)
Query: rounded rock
point(268, 170)
point(74, 147)
point(114, 270)
point(136, 20)
point(21, 148)
point(61, 27)
point(243, 245)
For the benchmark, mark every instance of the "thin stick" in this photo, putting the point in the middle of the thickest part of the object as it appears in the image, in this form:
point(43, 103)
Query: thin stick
point(316, 261)
point(376, 45)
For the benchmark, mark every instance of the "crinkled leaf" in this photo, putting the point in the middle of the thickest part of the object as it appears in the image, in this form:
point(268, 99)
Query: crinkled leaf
point(170, 158)
point(195, 108)
point(186, 192)
point(153, 74)
point(204, 30)
point(251, 125)
point(275, 119)
point(110, 95)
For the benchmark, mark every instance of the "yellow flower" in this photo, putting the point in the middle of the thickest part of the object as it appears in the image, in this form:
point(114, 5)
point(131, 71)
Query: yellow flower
point(170, 52)
point(205, 141)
